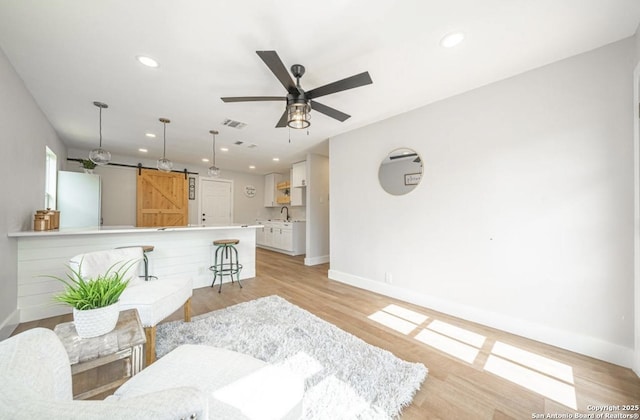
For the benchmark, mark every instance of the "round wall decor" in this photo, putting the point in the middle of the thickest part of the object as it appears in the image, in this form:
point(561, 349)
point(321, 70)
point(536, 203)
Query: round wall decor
point(250, 191)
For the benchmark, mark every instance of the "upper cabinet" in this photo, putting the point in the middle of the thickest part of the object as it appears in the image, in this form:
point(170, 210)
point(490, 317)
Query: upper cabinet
point(298, 195)
point(270, 190)
point(299, 174)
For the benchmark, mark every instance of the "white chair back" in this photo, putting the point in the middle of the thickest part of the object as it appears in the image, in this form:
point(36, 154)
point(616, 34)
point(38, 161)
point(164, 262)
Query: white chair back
point(95, 263)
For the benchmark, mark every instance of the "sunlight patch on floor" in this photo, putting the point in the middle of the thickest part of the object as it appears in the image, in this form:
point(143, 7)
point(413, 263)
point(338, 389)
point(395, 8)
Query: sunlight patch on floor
point(448, 345)
point(393, 322)
point(404, 313)
point(547, 377)
point(534, 381)
point(460, 334)
point(534, 361)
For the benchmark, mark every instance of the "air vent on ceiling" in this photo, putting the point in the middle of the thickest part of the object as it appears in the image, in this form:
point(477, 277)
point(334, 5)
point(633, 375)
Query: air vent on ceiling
point(238, 143)
point(233, 124)
point(252, 145)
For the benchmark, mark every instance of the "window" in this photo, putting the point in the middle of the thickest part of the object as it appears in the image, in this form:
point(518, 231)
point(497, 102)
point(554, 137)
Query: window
point(51, 177)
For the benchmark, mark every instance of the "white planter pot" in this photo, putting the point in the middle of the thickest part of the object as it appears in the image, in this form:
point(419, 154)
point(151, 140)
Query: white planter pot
point(95, 322)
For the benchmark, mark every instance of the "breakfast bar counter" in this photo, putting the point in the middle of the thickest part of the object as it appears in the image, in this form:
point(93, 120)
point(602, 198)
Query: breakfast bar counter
point(178, 251)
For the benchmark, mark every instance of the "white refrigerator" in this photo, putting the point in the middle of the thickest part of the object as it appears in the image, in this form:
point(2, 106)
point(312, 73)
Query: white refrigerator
point(78, 199)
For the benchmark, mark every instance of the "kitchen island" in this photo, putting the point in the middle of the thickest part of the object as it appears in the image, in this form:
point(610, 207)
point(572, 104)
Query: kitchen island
point(179, 251)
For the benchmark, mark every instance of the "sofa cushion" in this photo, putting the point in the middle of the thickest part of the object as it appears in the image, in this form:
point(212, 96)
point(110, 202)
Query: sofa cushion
point(156, 299)
point(238, 386)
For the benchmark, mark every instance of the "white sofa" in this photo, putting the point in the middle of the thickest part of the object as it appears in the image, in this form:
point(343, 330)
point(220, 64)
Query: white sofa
point(191, 382)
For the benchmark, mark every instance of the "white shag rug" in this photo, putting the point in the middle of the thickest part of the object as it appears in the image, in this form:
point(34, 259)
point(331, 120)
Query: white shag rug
point(346, 378)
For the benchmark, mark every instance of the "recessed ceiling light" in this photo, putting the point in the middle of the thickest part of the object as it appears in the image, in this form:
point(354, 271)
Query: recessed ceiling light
point(153, 136)
point(205, 160)
point(276, 159)
point(143, 150)
point(452, 39)
point(147, 61)
point(252, 167)
point(224, 149)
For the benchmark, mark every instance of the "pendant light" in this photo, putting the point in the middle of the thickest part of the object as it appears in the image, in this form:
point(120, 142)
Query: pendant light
point(164, 164)
point(100, 156)
point(214, 171)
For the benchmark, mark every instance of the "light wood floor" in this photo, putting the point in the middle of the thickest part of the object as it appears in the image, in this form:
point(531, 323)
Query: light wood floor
point(454, 389)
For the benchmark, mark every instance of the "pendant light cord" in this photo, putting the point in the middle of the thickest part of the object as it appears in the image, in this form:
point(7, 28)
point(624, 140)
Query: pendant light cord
point(214, 149)
point(100, 146)
point(164, 142)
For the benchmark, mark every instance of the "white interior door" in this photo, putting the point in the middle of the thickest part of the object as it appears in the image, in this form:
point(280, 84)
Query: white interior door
point(216, 206)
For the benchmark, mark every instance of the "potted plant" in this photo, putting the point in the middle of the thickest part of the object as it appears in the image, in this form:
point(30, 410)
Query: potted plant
point(88, 165)
point(94, 300)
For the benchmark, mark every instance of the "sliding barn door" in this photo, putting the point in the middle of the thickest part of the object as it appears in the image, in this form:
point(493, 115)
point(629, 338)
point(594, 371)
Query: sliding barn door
point(162, 199)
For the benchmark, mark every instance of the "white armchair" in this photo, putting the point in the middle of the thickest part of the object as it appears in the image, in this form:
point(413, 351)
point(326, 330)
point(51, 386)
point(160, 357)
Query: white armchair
point(191, 382)
point(36, 384)
point(154, 300)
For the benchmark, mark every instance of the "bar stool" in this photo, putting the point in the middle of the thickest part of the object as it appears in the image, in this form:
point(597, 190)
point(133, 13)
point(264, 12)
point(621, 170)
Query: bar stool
point(145, 249)
point(225, 251)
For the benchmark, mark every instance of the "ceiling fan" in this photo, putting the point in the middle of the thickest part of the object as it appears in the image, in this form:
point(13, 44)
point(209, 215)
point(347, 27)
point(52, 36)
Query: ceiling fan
point(300, 102)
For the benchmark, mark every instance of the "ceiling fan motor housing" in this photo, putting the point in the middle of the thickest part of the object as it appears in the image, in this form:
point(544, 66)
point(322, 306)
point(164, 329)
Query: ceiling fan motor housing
point(297, 98)
point(297, 70)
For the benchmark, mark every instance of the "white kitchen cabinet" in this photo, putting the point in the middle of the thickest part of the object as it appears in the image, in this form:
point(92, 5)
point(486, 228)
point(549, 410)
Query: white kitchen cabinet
point(270, 190)
point(285, 237)
point(260, 236)
point(299, 174)
point(297, 195)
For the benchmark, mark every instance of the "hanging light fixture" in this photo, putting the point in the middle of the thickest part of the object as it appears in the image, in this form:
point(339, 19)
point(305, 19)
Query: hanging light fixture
point(214, 171)
point(164, 164)
point(100, 156)
point(298, 115)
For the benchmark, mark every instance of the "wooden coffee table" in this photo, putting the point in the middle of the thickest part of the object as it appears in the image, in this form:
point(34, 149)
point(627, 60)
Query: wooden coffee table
point(124, 343)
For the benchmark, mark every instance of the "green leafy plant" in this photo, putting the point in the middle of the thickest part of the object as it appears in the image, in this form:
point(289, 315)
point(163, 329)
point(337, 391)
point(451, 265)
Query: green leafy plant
point(87, 164)
point(104, 290)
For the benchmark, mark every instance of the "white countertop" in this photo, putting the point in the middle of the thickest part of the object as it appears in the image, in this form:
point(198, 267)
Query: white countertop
point(124, 229)
point(260, 221)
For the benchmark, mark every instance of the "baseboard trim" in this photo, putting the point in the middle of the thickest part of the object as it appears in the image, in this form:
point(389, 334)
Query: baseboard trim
point(588, 346)
point(323, 259)
point(9, 324)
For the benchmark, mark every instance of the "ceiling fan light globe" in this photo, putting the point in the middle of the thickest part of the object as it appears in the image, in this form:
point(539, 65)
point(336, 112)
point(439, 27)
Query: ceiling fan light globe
point(165, 165)
point(100, 156)
point(299, 124)
point(298, 116)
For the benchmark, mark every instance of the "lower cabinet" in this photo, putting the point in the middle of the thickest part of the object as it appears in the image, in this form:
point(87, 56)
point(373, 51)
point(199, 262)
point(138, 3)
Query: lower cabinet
point(286, 237)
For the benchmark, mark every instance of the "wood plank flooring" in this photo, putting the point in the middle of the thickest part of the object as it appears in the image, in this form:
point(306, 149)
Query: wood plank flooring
point(454, 388)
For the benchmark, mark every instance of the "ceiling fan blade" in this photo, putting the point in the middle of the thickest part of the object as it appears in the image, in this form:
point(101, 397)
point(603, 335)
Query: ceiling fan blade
point(283, 120)
point(331, 112)
point(344, 84)
point(253, 98)
point(276, 66)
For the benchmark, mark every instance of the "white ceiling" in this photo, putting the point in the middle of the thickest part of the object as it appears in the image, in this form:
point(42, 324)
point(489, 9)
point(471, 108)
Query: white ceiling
point(72, 52)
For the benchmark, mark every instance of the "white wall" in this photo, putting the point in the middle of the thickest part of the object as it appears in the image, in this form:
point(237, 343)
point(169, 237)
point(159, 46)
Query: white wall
point(119, 190)
point(317, 236)
point(25, 133)
point(524, 216)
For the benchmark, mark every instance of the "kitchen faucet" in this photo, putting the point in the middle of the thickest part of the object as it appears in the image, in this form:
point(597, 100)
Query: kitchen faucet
point(287, 209)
